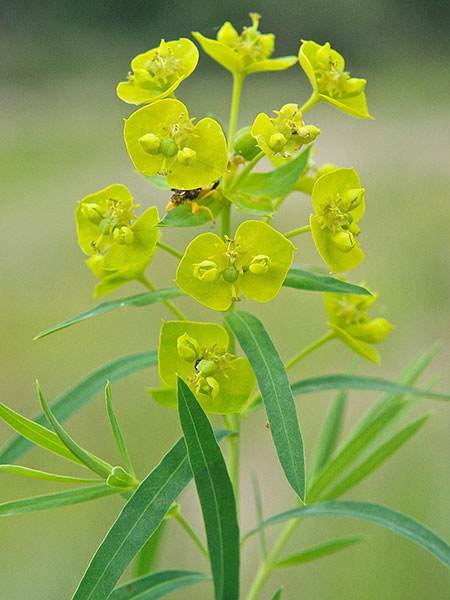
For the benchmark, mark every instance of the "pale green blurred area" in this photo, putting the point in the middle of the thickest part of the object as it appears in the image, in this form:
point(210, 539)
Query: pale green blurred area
point(61, 139)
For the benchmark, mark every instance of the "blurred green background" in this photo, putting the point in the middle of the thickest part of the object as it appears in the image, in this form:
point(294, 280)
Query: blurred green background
point(61, 139)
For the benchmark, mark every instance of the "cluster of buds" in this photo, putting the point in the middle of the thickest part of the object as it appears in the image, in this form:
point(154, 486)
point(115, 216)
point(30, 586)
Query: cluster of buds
point(162, 140)
point(284, 134)
point(255, 262)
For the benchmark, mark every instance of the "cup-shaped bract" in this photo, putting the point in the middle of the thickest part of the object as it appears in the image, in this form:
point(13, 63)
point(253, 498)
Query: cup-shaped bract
point(254, 263)
point(198, 352)
point(284, 134)
point(245, 53)
point(161, 139)
point(324, 68)
point(120, 244)
point(158, 72)
point(338, 200)
point(351, 323)
point(306, 181)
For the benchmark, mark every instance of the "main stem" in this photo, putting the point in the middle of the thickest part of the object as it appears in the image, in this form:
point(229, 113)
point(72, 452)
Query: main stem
point(237, 88)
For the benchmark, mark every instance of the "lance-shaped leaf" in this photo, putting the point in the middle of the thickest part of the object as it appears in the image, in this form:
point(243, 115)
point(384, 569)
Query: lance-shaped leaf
point(277, 595)
point(318, 551)
point(120, 441)
point(368, 511)
point(215, 492)
point(302, 279)
point(278, 182)
point(27, 505)
point(137, 522)
point(276, 394)
point(149, 552)
point(138, 300)
point(35, 474)
point(157, 585)
point(69, 402)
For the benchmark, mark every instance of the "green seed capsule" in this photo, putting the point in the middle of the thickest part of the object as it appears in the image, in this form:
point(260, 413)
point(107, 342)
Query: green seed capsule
point(230, 274)
point(168, 148)
point(150, 143)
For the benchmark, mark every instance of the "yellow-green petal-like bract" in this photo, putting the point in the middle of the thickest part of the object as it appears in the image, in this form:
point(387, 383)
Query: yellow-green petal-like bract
point(324, 68)
point(189, 156)
point(158, 72)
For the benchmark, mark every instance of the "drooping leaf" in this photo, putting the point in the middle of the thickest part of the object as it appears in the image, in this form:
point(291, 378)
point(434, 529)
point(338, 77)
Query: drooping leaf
point(375, 513)
point(278, 182)
point(215, 492)
point(18, 507)
point(182, 215)
point(318, 551)
point(157, 585)
point(137, 522)
point(92, 462)
point(69, 402)
point(35, 474)
point(121, 445)
point(302, 279)
point(376, 458)
point(276, 395)
point(138, 300)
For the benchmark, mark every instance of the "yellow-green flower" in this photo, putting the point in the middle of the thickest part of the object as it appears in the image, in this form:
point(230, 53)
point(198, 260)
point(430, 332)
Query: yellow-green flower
point(255, 262)
point(120, 244)
point(284, 134)
point(158, 72)
point(325, 70)
point(351, 323)
point(246, 53)
point(161, 139)
point(338, 200)
point(198, 352)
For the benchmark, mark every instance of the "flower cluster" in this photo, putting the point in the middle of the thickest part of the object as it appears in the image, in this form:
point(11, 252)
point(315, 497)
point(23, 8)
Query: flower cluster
point(198, 352)
point(255, 262)
point(120, 244)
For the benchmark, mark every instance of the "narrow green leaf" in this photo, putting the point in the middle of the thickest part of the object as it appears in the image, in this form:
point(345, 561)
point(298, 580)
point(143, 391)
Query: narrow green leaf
point(35, 433)
point(376, 458)
point(117, 432)
point(215, 492)
point(138, 300)
point(277, 594)
point(18, 507)
point(149, 552)
point(137, 522)
point(157, 585)
point(182, 215)
point(35, 474)
point(260, 206)
point(156, 180)
point(69, 402)
point(92, 462)
point(259, 512)
point(368, 511)
point(329, 434)
point(349, 453)
point(360, 382)
point(301, 279)
point(318, 551)
point(278, 182)
point(276, 395)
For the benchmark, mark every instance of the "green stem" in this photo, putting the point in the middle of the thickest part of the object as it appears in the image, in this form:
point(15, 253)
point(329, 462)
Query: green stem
point(169, 249)
point(191, 533)
point(225, 219)
point(233, 456)
point(246, 170)
point(278, 202)
point(237, 88)
point(143, 279)
point(314, 99)
point(298, 231)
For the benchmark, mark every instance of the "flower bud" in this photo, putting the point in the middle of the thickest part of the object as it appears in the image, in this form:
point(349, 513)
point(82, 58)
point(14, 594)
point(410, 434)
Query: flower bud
point(230, 274)
point(213, 386)
point(168, 148)
point(289, 111)
point(259, 265)
point(323, 55)
point(308, 132)
point(352, 198)
point(206, 367)
point(123, 235)
point(227, 34)
point(150, 143)
point(245, 143)
point(277, 142)
point(354, 86)
point(142, 77)
point(207, 386)
point(206, 271)
point(266, 43)
point(187, 156)
point(105, 226)
point(120, 478)
point(374, 332)
point(187, 348)
point(92, 212)
point(344, 240)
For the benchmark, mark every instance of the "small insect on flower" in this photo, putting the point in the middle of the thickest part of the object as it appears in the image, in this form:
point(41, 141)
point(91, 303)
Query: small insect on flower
point(193, 197)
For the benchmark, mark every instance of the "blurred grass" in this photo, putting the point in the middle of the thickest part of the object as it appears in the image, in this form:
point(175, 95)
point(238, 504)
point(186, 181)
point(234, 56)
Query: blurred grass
point(62, 139)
